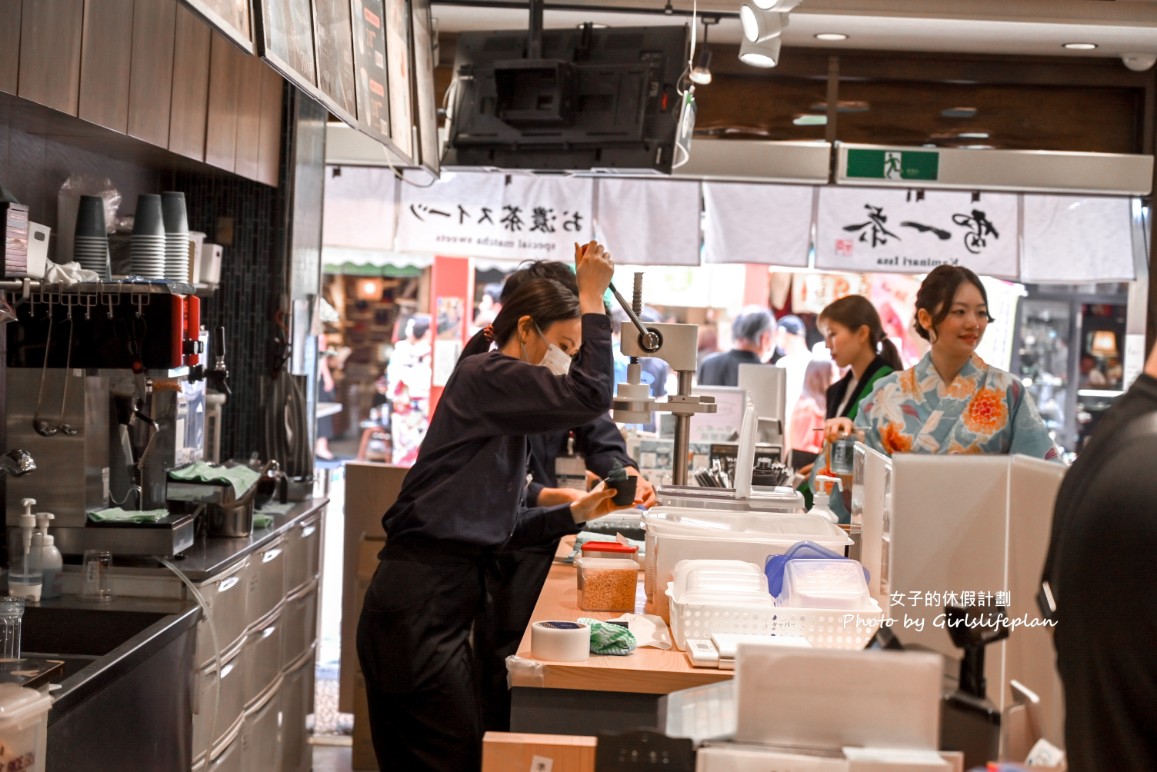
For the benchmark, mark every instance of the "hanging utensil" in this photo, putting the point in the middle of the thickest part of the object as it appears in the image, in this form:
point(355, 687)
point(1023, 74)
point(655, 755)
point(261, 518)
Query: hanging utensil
point(65, 428)
point(42, 427)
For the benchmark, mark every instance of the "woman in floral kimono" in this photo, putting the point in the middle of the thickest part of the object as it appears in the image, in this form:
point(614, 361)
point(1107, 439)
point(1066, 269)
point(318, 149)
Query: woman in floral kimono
point(951, 401)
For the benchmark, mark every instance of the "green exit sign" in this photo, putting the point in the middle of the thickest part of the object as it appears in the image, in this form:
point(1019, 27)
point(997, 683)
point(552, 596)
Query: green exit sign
point(893, 164)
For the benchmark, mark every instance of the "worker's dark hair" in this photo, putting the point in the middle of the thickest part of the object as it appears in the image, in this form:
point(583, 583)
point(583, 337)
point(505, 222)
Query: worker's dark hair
point(539, 269)
point(546, 301)
point(937, 291)
point(856, 311)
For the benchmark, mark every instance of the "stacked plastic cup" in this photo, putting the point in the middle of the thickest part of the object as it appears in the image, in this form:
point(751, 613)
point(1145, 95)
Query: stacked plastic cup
point(90, 242)
point(176, 235)
point(147, 250)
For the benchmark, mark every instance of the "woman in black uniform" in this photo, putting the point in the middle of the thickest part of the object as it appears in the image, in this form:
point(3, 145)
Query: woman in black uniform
point(460, 502)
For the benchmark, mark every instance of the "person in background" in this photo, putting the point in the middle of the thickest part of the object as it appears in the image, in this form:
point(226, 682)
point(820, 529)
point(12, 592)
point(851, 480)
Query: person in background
point(463, 500)
point(950, 401)
point(515, 577)
point(807, 417)
point(327, 392)
point(488, 306)
point(1104, 533)
point(857, 341)
point(753, 333)
point(791, 339)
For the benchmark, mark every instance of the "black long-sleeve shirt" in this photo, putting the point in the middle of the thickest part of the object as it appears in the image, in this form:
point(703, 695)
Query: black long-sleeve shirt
point(599, 442)
point(468, 482)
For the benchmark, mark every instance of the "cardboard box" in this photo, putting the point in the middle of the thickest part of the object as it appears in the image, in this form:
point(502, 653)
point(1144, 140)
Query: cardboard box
point(210, 272)
point(503, 751)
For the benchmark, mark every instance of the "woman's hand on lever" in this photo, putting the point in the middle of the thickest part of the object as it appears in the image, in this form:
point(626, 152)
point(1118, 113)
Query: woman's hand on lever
point(594, 270)
point(838, 428)
point(597, 503)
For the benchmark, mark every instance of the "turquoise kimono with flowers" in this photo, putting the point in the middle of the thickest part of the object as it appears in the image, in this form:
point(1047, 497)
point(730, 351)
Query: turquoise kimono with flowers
point(983, 410)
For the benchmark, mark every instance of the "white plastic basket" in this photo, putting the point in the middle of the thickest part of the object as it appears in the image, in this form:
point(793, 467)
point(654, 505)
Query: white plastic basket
point(823, 628)
point(828, 628)
point(692, 620)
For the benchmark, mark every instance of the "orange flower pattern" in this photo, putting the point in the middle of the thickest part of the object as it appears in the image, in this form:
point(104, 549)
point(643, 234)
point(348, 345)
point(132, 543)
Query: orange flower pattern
point(983, 410)
point(986, 412)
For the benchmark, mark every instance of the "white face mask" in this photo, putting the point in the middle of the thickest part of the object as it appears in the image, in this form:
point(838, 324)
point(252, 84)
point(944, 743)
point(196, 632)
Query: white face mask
point(555, 359)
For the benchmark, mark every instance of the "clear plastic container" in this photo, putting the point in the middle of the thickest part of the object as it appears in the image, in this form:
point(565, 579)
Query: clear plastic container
point(23, 727)
point(607, 584)
point(825, 584)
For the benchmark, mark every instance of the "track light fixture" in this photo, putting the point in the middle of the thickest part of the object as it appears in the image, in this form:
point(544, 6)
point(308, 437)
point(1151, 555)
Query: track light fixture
point(700, 73)
point(760, 25)
point(762, 53)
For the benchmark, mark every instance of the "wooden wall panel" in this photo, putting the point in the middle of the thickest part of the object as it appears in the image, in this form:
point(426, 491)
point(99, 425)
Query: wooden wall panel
point(151, 81)
point(249, 117)
point(104, 64)
point(190, 103)
point(51, 26)
point(9, 45)
point(269, 144)
point(224, 89)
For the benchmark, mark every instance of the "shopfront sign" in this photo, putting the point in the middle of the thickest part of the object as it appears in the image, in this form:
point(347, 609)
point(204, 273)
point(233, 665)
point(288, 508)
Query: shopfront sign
point(649, 222)
point(748, 223)
point(908, 231)
point(892, 165)
point(507, 216)
point(1077, 238)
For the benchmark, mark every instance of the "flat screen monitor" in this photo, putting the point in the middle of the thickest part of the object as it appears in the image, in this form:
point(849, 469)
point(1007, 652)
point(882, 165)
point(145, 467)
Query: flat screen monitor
point(595, 100)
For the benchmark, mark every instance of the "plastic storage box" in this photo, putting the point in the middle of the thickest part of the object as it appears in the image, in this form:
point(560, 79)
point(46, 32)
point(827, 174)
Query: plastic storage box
point(828, 584)
point(24, 727)
point(607, 584)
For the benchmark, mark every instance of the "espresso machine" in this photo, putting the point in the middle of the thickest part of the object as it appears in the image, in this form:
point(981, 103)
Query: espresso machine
point(104, 392)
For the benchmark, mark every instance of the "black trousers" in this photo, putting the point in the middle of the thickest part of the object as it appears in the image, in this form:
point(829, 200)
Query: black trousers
point(514, 580)
point(414, 646)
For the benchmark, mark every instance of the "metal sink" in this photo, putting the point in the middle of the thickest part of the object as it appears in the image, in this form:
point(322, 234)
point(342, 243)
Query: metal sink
point(123, 658)
point(92, 632)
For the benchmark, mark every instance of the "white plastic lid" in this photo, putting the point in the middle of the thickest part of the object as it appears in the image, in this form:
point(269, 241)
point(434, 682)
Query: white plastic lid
point(18, 703)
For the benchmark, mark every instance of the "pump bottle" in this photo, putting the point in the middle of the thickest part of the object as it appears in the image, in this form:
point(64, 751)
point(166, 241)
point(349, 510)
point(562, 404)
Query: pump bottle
point(25, 576)
point(821, 496)
point(51, 562)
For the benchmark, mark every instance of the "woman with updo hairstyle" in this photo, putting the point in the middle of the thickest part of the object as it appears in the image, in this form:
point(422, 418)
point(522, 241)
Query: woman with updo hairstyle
point(951, 401)
point(462, 501)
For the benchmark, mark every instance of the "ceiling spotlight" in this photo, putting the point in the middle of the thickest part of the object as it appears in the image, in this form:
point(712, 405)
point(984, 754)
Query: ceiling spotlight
point(701, 71)
point(701, 67)
point(1080, 46)
point(764, 53)
point(1139, 62)
point(760, 25)
point(831, 36)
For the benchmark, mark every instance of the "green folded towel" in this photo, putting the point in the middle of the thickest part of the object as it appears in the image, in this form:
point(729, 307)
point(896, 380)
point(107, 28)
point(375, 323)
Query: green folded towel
point(607, 638)
point(241, 478)
point(261, 522)
point(118, 515)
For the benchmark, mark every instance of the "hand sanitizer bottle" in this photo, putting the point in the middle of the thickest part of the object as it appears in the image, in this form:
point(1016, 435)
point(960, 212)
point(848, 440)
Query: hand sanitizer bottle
point(51, 562)
point(821, 496)
point(25, 576)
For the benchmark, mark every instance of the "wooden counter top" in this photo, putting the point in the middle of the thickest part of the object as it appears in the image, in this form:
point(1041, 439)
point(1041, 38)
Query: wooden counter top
point(645, 671)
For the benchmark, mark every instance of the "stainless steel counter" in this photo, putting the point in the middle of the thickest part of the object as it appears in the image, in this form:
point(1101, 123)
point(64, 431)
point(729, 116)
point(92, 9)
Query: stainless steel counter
point(210, 556)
